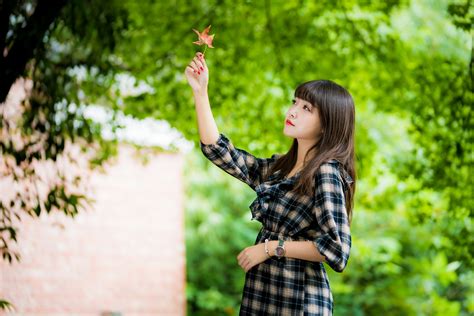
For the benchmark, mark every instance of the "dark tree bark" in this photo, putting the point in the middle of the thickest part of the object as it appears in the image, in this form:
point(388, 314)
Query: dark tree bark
point(13, 60)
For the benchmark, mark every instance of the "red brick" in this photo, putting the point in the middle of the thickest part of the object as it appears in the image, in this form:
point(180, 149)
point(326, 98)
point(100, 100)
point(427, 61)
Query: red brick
point(126, 254)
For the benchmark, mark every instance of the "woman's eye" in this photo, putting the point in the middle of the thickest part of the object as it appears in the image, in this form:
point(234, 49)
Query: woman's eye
point(306, 107)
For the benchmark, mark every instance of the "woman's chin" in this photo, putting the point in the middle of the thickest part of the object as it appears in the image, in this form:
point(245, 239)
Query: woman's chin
point(286, 132)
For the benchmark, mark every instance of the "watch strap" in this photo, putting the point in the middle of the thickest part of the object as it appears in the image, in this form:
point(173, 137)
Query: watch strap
point(281, 246)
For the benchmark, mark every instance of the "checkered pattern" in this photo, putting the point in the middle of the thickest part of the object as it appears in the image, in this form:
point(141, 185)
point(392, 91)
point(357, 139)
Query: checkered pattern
point(290, 286)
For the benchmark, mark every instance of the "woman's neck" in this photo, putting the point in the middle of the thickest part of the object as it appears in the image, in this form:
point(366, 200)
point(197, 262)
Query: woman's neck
point(302, 150)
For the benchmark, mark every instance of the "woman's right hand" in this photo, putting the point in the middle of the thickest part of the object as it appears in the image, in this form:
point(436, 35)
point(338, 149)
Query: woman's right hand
point(197, 73)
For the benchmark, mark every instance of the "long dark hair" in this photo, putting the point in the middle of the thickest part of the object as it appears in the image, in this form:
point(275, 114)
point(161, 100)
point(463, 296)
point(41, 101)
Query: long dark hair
point(337, 116)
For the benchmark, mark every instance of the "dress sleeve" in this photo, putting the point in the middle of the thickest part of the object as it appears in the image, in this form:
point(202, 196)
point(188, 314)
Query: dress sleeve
point(237, 162)
point(330, 211)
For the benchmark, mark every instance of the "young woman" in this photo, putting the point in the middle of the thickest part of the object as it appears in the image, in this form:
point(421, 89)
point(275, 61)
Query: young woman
point(304, 197)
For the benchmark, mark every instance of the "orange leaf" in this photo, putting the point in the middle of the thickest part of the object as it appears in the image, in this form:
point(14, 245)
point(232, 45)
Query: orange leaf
point(204, 37)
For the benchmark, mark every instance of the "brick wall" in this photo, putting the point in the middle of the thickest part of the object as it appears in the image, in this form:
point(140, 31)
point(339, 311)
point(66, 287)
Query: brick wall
point(126, 255)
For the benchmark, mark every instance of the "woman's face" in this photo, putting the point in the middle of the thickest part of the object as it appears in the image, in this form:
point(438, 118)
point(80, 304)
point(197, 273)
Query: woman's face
point(305, 119)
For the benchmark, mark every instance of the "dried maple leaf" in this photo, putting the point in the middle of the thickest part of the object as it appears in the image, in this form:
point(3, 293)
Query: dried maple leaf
point(204, 38)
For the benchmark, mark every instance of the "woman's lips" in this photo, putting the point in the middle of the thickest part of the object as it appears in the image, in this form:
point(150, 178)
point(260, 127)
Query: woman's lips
point(288, 122)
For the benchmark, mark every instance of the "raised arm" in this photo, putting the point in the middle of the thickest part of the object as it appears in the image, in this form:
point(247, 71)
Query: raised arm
point(214, 145)
point(197, 75)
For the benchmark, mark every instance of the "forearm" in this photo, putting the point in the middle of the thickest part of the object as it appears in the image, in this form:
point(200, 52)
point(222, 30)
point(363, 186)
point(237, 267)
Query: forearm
point(305, 250)
point(207, 127)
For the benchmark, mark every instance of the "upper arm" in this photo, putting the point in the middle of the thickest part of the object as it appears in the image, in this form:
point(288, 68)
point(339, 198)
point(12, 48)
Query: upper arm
point(331, 216)
point(236, 161)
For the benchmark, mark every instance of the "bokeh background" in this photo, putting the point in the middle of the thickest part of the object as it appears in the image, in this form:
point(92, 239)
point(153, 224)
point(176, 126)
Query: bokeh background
point(408, 65)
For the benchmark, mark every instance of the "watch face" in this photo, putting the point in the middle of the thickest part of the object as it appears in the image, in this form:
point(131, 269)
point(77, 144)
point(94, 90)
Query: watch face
point(279, 251)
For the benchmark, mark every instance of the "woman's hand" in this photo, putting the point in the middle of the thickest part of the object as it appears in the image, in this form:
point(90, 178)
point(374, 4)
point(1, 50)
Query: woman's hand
point(197, 73)
point(251, 256)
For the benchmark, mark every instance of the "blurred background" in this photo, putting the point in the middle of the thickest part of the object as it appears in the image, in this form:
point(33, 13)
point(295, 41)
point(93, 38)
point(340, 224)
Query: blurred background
point(108, 206)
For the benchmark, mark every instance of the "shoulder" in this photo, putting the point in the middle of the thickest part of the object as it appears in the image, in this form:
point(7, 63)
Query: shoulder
point(335, 166)
point(328, 172)
point(332, 172)
point(331, 166)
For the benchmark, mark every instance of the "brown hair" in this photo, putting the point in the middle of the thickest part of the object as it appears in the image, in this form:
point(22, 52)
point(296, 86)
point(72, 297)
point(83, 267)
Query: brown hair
point(337, 116)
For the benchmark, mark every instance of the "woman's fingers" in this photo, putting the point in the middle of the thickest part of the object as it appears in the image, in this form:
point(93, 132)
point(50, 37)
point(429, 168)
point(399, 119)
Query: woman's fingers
point(244, 260)
point(195, 66)
point(199, 64)
point(201, 58)
point(191, 69)
point(240, 257)
point(245, 264)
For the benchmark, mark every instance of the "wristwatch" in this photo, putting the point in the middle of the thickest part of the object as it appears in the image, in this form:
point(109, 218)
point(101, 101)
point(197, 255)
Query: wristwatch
point(280, 249)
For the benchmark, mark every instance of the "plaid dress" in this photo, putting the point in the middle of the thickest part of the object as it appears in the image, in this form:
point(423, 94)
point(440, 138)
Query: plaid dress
point(290, 286)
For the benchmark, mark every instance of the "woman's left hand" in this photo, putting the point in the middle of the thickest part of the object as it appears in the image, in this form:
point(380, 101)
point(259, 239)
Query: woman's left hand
point(251, 256)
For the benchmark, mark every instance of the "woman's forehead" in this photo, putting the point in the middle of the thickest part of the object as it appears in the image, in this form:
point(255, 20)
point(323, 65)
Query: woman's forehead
point(301, 99)
point(304, 101)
